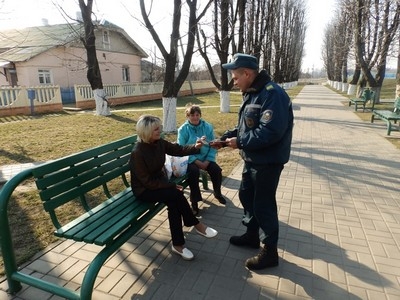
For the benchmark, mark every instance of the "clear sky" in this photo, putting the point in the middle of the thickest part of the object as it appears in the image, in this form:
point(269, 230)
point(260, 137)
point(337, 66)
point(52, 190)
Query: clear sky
point(319, 14)
point(24, 13)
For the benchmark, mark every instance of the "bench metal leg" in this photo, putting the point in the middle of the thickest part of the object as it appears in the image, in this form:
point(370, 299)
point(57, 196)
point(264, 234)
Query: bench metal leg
point(389, 127)
point(10, 264)
point(95, 266)
point(6, 244)
point(47, 286)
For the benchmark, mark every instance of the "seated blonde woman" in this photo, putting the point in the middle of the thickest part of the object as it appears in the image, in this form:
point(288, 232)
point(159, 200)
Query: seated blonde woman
point(150, 183)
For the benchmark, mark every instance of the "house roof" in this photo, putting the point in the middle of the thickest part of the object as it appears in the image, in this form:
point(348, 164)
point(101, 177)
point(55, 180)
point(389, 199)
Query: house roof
point(18, 45)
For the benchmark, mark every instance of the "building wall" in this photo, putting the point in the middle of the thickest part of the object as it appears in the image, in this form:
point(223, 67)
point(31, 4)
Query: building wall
point(68, 64)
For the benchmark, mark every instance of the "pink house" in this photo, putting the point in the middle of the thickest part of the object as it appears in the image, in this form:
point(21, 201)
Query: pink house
point(54, 55)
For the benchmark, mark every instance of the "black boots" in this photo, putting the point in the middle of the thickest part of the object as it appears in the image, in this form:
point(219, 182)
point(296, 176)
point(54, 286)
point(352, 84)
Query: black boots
point(249, 239)
point(267, 258)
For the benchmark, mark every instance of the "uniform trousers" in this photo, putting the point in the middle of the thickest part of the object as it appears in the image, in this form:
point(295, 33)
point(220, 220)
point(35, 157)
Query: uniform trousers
point(257, 193)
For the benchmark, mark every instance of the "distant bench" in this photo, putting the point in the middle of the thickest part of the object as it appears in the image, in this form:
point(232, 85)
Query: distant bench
point(366, 96)
point(388, 116)
point(109, 224)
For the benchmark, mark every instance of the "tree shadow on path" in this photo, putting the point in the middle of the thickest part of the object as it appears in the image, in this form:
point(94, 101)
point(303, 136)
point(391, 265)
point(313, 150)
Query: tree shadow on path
point(319, 269)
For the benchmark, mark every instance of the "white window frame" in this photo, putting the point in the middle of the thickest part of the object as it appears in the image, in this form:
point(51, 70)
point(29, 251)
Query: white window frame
point(126, 76)
point(106, 39)
point(45, 77)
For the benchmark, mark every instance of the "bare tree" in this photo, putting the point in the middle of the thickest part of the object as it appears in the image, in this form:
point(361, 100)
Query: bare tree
point(327, 52)
point(272, 18)
point(271, 30)
point(93, 69)
point(281, 38)
point(173, 80)
point(290, 40)
point(376, 25)
point(338, 39)
point(153, 71)
point(345, 36)
point(398, 72)
point(225, 16)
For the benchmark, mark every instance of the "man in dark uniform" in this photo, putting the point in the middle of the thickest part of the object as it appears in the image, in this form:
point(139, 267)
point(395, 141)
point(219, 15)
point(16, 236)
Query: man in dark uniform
point(263, 136)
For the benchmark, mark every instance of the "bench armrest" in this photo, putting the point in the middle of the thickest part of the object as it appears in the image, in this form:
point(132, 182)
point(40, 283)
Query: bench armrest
point(6, 244)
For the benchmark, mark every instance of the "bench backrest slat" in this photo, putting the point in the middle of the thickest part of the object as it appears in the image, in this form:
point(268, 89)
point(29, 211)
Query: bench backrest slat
point(74, 190)
point(77, 158)
point(76, 167)
point(71, 177)
point(366, 94)
point(397, 105)
point(63, 181)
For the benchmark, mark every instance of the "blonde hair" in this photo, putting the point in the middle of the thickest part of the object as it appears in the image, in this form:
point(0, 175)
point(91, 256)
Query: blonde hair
point(191, 109)
point(145, 127)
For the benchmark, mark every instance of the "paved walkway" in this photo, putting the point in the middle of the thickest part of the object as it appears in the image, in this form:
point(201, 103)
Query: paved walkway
point(8, 171)
point(339, 210)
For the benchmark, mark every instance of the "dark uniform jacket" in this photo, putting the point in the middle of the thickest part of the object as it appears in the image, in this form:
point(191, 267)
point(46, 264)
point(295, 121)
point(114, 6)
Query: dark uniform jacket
point(147, 164)
point(264, 130)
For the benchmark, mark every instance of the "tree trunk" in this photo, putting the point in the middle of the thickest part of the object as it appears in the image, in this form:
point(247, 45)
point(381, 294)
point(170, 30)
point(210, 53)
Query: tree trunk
point(93, 71)
point(356, 75)
point(174, 80)
point(352, 90)
point(169, 114)
point(377, 94)
point(102, 105)
point(345, 87)
point(397, 94)
point(225, 99)
point(372, 53)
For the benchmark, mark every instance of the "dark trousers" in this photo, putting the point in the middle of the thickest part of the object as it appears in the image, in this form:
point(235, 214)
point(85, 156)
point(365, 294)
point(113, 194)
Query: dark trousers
point(257, 193)
point(193, 172)
point(178, 210)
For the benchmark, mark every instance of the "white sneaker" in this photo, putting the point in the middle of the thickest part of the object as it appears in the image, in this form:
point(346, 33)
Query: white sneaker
point(186, 253)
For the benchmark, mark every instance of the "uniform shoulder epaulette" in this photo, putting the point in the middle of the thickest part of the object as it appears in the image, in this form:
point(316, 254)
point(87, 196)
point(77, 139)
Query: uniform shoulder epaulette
point(269, 87)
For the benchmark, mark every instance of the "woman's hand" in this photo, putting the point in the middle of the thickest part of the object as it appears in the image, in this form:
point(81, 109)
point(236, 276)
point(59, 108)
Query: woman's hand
point(217, 144)
point(179, 187)
point(199, 144)
point(229, 142)
point(232, 142)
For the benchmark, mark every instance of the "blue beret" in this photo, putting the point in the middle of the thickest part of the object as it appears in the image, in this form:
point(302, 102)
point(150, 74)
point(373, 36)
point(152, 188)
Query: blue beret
point(241, 60)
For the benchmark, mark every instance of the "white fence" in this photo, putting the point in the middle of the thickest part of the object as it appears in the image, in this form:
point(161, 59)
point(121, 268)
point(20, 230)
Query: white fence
point(32, 98)
point(29, 96)
point(84, 92)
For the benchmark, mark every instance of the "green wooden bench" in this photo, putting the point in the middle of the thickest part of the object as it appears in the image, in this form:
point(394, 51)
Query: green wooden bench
point(108, 225)
point(388, 116)
point(366, 96)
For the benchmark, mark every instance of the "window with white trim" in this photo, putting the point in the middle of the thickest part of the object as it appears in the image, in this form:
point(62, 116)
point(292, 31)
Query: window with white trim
point(106, 39)
point(125, 74)
point(45, 76)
